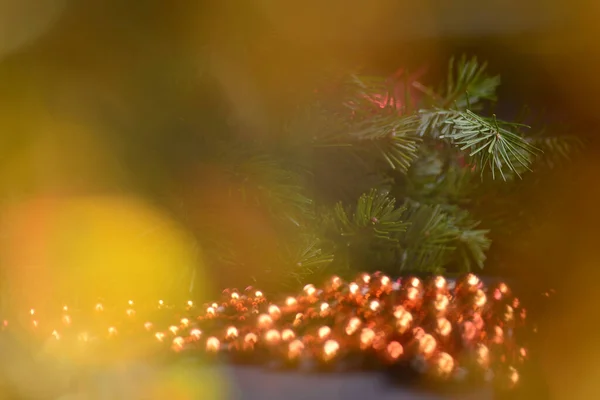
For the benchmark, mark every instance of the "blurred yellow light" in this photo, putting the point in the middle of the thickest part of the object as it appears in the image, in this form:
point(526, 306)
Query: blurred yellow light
point(330, 349)
point(196, 333)
point(324, 332)
point(213, 344)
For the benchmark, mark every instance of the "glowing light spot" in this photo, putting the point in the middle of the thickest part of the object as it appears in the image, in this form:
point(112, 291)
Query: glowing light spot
point(231, 333)
point(394, 350)
point(196, 333)
point(272, 336)
point(213, 344)
point(353, 324)
point(330, 349)
point(287, 335)
point(274, 311)
point(264, 321)
point(295, 349)
point(291, 301)
point(427, 345)
point(324, 332)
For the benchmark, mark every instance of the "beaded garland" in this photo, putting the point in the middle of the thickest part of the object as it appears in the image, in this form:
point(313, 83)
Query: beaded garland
point(443, 331)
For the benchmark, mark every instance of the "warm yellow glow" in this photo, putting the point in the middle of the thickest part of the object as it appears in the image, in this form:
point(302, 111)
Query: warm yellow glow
point(353, 324)
point(336, 282)
point(196, 333)
point(480, 298)
point(295, 349)
point(310, 289)
point(330, 349)
point(482, 355)
point(291, 301)
point(367, 336)
point(159, 336)
point(513, 376)
point(274, 312)
point(427, 345)
point(440, 282)
point(366, 278)
point(213, 344)
point(250, 338)
point(444, 327)
point(403, 319)
point(498, 336)
point(444, 364)
point(264, 321)
point(178, 343)
point(441, 302)
point(148, 325)
point(272, 336)
point(232, 332)
point(412, 293)
point(173, 329)
point(128, 249)
point(353, 287)
point(472, 280)
point(185, 322)
point(287, 335)
point(112, 331)
point(374, 305)
point(324, 332)
point(394, 350)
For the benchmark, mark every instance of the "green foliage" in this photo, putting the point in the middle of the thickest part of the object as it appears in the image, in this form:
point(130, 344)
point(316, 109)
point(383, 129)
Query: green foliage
point(468, 85)
point(375, 214)
point(494, 144)
point(370, 184)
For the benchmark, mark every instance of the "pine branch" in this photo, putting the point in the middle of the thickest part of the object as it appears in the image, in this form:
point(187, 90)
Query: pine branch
point(375, 217)
point(263, 181)
point(472, 243)
point(494, 144)
point(428, 239)
point(467, 84)
point(557, 149)
point(431, 182)
point(438, 237)
point(390, 138)
point(306, 257)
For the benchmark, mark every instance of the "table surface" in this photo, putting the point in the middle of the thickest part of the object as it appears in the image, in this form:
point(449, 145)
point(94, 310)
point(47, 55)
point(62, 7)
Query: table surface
point(247, 383)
